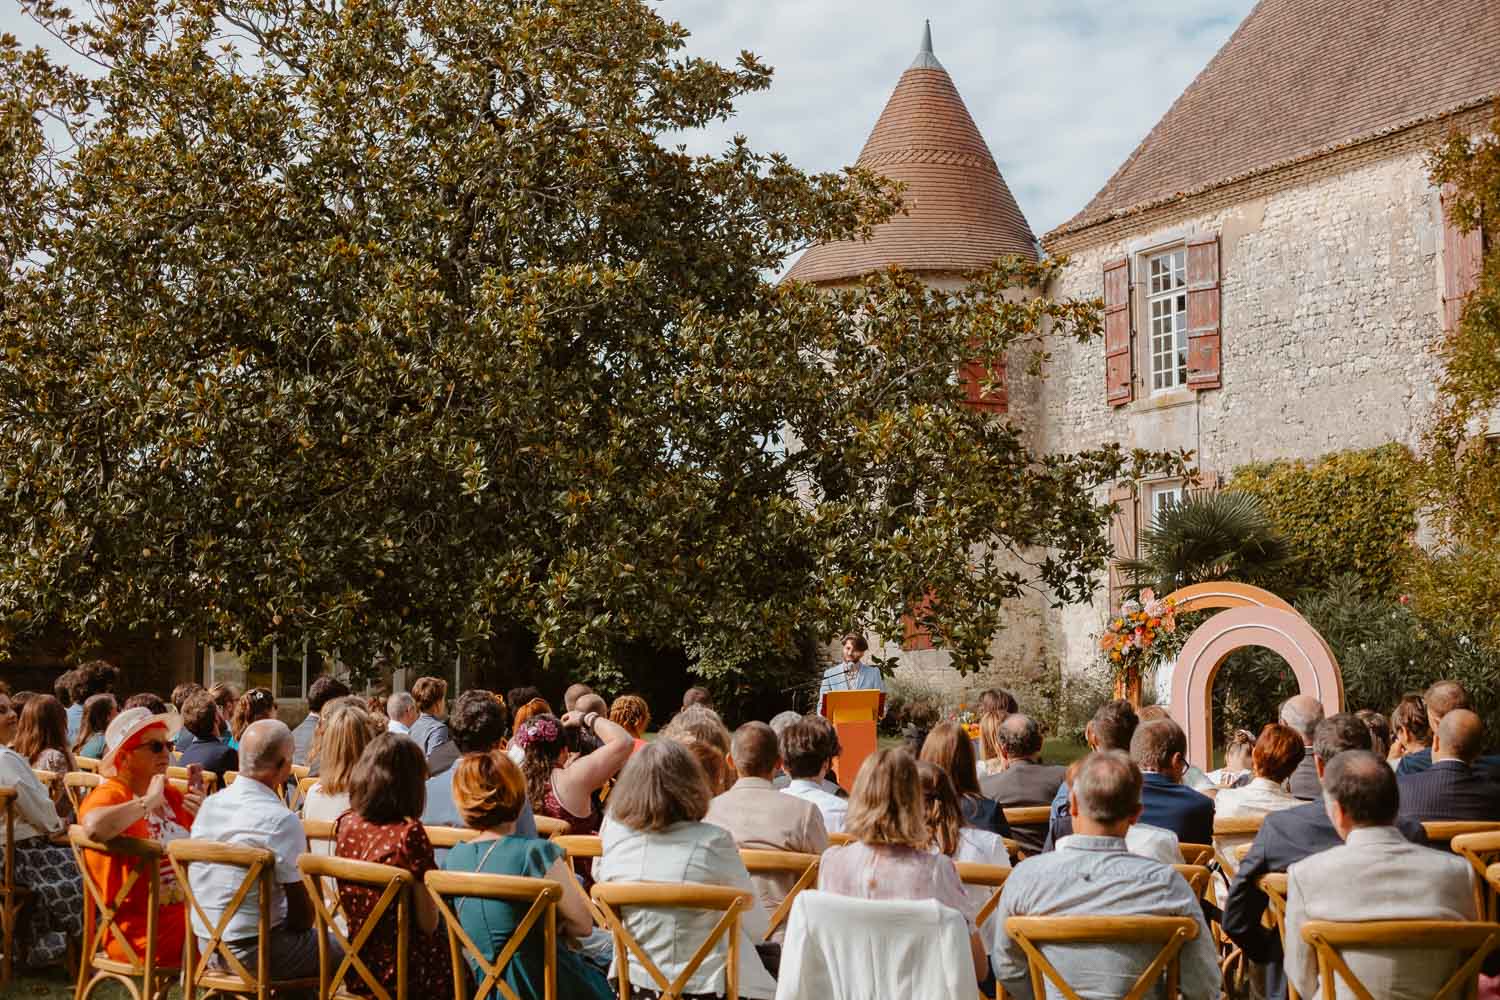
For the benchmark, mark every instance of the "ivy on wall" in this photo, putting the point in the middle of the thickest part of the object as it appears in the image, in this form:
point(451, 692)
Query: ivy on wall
point(1350, 512)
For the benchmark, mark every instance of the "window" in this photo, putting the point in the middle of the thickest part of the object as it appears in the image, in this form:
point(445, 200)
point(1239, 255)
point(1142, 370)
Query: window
point(1167, 305)
point(1163, 497)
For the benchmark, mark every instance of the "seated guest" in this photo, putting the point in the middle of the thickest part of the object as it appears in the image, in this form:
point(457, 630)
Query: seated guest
point(1159, 749)
point(135, 800)
point(518, 696)
point(477, 725)
point(519, 718)
point(201, 717)
point(1238, 769)
point(43, 861)
point(94, 677)
point(561, 784)
point(656, 833)
point(345, 728)
point(1303, 713)
point(98, 712)
point(1409, 733)
point(145, 699)
point(385, 799)
point(701, 723)
point(62, 687)
point(889, 858)
point(180, 694)
point(697, 696)
point(807, 748)
point(1440, 699)
point(1141, 839)
point(1023, 779)
point(590, 703)
point(995, 701)
point(1111, 728)
point(952, 837)
point(1092, 874)
point(430, 730)
point(716, 766)
point(490, 793)
point(573, 693)
point(949, 747)
point(1451, 788)
point(254, 705)
point(1380, 731)
point(1375, 875)
point(780, 723)
point(251, 813)
point(990, 761)
point(1194, 777)
point(320, 692)
point(42, 738)
point(400, 712)
point(759, 817)
point(1288, 836)
point(1277, 753)
point(631, 713)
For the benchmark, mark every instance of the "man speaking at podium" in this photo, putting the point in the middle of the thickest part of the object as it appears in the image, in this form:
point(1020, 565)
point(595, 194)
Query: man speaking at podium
point(853, 674)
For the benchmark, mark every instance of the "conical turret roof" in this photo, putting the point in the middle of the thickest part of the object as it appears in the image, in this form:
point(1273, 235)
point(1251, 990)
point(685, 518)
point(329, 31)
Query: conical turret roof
point(960, 215)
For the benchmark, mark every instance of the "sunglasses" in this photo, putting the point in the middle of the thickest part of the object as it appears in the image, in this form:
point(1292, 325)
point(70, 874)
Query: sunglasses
point(155, 746)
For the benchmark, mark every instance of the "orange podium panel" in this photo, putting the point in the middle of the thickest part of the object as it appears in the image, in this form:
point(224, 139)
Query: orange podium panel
point(854, 715)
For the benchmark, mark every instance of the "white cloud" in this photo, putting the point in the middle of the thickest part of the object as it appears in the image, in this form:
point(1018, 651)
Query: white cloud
point(1063, 90)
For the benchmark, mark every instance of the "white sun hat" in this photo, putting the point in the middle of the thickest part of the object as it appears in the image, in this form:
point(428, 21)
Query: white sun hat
point(129, 724)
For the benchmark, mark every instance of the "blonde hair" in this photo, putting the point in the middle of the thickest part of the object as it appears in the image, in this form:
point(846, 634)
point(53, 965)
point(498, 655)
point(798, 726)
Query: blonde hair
point(941, 810)
point(989, 734)
point(699, 722)
point(344, 730)
point(661, 785)
point(886, 805)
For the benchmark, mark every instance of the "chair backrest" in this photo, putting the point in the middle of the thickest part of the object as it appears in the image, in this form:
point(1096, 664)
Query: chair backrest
point(1237, 829)
point(318, 829)
point(1481, 850)
point(546, 826)
point(1168, 933)
point(992, 877)
point(1199, 878)
point(8, 872)
point(78, 784)
point(304, 785)
point(449, 836)
point(51, 780)
point(1029, 816)
point(394, 886)
point(1196, 854)
point(90, 764)
point(1440, 833)
point(580, 845)
point(230, 777)
point(540, 895)
point(142, 861)
point(804, 866)
point(179, 774)
point(204, 970)
point(1274, 884)
point(839, 839)
point(1473, 939)
point(613, 897)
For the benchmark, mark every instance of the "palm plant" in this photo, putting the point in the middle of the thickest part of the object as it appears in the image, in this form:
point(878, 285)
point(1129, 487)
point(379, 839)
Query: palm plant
point(1208, 536)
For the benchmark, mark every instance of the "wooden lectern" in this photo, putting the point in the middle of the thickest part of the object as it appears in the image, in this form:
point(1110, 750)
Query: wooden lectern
point(854, 715)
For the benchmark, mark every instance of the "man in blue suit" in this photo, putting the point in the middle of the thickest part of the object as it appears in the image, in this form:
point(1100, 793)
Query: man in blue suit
point(1452, 788)
point(1440, 699)
point(1289, 836)
point(1159, 749)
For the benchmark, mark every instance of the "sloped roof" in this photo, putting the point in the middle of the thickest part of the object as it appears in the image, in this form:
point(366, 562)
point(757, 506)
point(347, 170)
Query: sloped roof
point(1301, 77)
point(960, 215)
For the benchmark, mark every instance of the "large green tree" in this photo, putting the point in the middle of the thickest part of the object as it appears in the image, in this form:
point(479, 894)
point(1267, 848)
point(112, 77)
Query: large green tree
point(374, 322)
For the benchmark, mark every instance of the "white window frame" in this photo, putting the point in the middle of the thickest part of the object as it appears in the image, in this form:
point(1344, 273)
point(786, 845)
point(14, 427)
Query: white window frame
point(1165, 319)
point(1162, 492)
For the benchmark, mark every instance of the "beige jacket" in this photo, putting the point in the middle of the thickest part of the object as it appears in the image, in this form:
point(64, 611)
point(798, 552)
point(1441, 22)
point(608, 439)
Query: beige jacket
point(761, 818)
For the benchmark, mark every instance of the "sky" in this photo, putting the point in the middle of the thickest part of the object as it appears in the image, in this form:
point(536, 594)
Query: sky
point(1062, 90)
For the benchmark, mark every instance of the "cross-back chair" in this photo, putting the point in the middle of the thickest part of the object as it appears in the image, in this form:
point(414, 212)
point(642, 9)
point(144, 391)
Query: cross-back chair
point(1440, 833)
point(78, 784)
point(304, 785)
point(548, 827)
point(992, 877)
point(142, 973)
point(539, 895)
point(12, 895)
point(51, 780)
point(1199, 879)
point(395, 888)
point(582, 845)
point(214, 968)
point(1328, 939)
point(1274, 885)
point(614, 897)
point(443, 837)
point(1228, 834)
point(1196, 854)
point(1039, 817)
point(90, 764)
point(1481, 850)
point(1168, 933)
point(839, 839)
point(804, 866)
point(179, 774)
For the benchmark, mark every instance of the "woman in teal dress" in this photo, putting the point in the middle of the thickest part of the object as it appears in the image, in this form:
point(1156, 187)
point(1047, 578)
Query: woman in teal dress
point(488, 790)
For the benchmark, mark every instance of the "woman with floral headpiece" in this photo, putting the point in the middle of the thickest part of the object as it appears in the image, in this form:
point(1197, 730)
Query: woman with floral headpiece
point(561, 782)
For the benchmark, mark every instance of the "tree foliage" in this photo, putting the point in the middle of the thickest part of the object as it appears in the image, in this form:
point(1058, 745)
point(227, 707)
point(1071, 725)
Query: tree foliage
point(374, 322)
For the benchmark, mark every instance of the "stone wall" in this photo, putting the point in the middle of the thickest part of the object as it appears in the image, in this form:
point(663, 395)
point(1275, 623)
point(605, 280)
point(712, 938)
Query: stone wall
point(1331, 313)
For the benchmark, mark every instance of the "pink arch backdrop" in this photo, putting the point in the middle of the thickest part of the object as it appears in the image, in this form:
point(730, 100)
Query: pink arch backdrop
point(1254, 617)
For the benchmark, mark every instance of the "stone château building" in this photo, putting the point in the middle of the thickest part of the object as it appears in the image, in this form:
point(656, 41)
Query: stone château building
point(1277, 269)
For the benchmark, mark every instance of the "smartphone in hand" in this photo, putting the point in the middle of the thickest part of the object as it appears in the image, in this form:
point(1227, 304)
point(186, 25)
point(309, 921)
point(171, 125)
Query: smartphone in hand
point(195, 778)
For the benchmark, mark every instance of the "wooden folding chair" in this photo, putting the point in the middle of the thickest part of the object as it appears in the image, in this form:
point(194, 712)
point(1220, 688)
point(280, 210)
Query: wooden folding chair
point(299, 797)
point(142, 975)
point(613, 897)
point(90, 764)
point(1472, 938)
point(540, 895)
point(1196, 854)
point(177, 776)
point(201, 971)
point(395, 888)
point(1481, 850)
point(230, 777)
point(449, 836)
point(51, 780)
point(1440, 833)
point(839, 839)
point(1233, 830)
point(1199, 879)
point(1169, 933)
point(550, 828)
point(78, 784)
point(804, 866)
point(580, 845)
point(1027, 816)
point(992, 877)
point(13, 896)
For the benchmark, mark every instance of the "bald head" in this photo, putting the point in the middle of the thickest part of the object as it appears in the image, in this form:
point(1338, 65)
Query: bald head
point(1442, 698)
point(265, 751)
point(1460, 736)
point(591, 702)
point(1302, 712)
point(573, 693)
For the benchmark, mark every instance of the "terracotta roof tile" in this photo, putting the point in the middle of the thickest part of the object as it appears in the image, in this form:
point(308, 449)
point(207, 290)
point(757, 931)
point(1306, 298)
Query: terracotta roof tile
point(1301, 77)
point(959, 213)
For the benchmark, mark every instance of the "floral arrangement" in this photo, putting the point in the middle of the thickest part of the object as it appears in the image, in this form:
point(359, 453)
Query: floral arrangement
point(539, 729)
point(967, 718)
point(1141, 624)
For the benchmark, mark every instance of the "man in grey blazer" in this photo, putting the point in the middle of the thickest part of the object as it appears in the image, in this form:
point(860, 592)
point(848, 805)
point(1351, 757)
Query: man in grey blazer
point(1025, 781)
point(1376, 875)
point(1303, 713)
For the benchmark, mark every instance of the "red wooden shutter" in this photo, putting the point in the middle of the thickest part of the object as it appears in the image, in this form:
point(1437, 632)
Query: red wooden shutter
point(972, 375)
point(1122, 534)
point(917, 637)
point(1203, 313)
point(1119, 388)
point(1463, 260)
